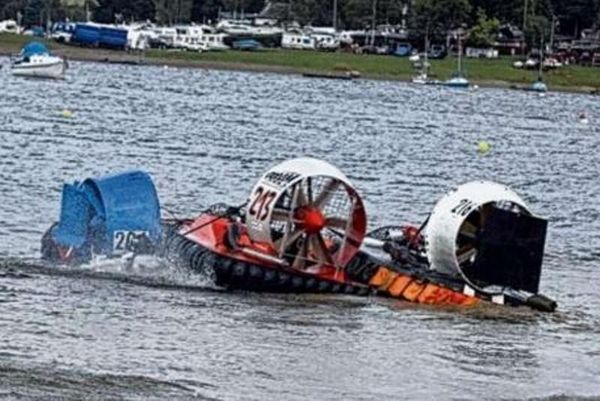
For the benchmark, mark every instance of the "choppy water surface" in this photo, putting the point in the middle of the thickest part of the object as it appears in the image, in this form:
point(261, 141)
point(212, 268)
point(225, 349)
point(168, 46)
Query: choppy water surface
point(205, 136)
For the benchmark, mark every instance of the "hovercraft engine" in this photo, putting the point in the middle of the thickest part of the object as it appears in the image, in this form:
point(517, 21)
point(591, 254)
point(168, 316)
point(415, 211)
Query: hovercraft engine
point(481, 240)
point(300, 208)
point(107, 216)
point(485, 234)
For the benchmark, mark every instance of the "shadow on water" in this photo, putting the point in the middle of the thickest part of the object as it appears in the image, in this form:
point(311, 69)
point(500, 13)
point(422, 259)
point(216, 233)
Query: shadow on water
point(42, 383)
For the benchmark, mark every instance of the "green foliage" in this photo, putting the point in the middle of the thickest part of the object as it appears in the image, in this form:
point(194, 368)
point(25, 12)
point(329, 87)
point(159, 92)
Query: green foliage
point(124, 10)
point(206, 10)
point(503, 10)
point(10, 8)
point(484, 32)
point(355, 13)
point(173, 11)
point(36, 12)
point(575, 15)
point(435, 17)
point(432, 17)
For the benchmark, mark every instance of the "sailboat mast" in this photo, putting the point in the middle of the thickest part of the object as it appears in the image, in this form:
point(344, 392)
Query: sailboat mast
point(334, 22)
point(425, 63)
point(541, 64)
point(460, 68)
point(426, 46)
point(373, 23)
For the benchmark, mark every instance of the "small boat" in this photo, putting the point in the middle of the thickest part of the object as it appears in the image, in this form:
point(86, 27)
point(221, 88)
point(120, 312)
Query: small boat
point(403, 50)
point(341, 75)
point(539, 85)
point(458, 79)
point(303, 230)
point(422, 78)
point(35, 60)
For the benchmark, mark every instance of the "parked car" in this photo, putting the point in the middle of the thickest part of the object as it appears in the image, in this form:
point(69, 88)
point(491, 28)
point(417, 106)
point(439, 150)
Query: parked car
point(437, 52)
point(62, 31)
point(375, 50)
point(403, 50)
point(246, 44)
point(37, 31)
point(551, 63)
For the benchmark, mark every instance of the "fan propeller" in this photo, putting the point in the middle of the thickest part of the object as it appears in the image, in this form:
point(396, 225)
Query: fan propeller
point(453, 232)
point(309, 214)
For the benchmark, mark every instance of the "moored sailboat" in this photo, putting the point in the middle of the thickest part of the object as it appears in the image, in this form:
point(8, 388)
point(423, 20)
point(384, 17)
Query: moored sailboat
point(458, 79)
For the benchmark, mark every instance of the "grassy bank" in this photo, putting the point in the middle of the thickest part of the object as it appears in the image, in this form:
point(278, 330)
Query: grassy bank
point(497, 72)
point(479, 70)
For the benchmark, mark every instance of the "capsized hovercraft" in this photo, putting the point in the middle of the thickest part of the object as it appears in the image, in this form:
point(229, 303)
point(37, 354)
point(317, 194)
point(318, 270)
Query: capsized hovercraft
point(303, 229)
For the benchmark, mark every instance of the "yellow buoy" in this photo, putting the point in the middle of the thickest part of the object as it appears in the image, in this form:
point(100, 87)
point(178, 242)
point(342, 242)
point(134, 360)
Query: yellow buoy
point(66, 113)
point(483, 147)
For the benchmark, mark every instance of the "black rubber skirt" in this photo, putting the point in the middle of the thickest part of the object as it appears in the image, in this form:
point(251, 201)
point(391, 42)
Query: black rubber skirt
point(234, 274)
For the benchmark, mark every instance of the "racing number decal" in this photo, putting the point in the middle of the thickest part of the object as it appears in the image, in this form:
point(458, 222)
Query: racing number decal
point(464, 207)
point(127, 240)
point(261, 205)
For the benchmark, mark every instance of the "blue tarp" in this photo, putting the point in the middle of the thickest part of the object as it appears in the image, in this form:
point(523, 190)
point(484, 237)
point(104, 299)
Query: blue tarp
point(86, 34)
point(32, 48)
point(99, 35)
point(113, 37)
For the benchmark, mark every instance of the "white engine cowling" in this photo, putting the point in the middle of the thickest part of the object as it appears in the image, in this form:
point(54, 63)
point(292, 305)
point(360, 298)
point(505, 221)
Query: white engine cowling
point(450, 233)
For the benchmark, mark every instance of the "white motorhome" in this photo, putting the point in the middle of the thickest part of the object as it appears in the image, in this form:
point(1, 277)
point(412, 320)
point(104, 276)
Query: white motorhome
point(326, 41)
point(297, 40)
point(245, 27)
point(347, 37)
point(310, 39)
point(140, 35)
point(166, 35)
point(189, 38)
point(213, 39)
point(325, 37)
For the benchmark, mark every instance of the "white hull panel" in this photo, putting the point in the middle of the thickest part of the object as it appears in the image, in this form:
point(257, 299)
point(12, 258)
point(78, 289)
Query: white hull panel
point(54, 70)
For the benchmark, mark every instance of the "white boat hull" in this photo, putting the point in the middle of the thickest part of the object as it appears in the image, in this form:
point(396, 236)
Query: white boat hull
point(55, 69)
point(457, 82)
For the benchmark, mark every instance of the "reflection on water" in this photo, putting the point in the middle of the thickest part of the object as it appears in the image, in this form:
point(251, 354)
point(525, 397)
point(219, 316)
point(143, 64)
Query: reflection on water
point(155, 332)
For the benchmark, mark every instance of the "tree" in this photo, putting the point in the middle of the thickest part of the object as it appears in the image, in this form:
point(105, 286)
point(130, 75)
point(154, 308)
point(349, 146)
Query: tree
point(356, 13)
point(483, 34)
point(575, 15)
point(10, 8)
point(173, 11)
point(506, 11)
point(206, 10)
point(37, 12)
point(434, 18)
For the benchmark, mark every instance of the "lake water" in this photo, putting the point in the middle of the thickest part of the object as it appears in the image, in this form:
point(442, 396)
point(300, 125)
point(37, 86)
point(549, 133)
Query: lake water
point(205, 136)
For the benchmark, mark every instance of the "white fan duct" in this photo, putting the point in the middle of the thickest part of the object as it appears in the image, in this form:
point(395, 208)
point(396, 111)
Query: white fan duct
point(453, 226)
point(308, 212)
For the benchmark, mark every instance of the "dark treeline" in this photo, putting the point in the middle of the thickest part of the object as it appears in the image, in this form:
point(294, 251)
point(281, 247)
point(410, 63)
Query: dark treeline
point(434, 17)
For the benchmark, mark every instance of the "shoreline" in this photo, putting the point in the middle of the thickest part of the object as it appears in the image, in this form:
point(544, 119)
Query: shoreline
point(234, 61)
